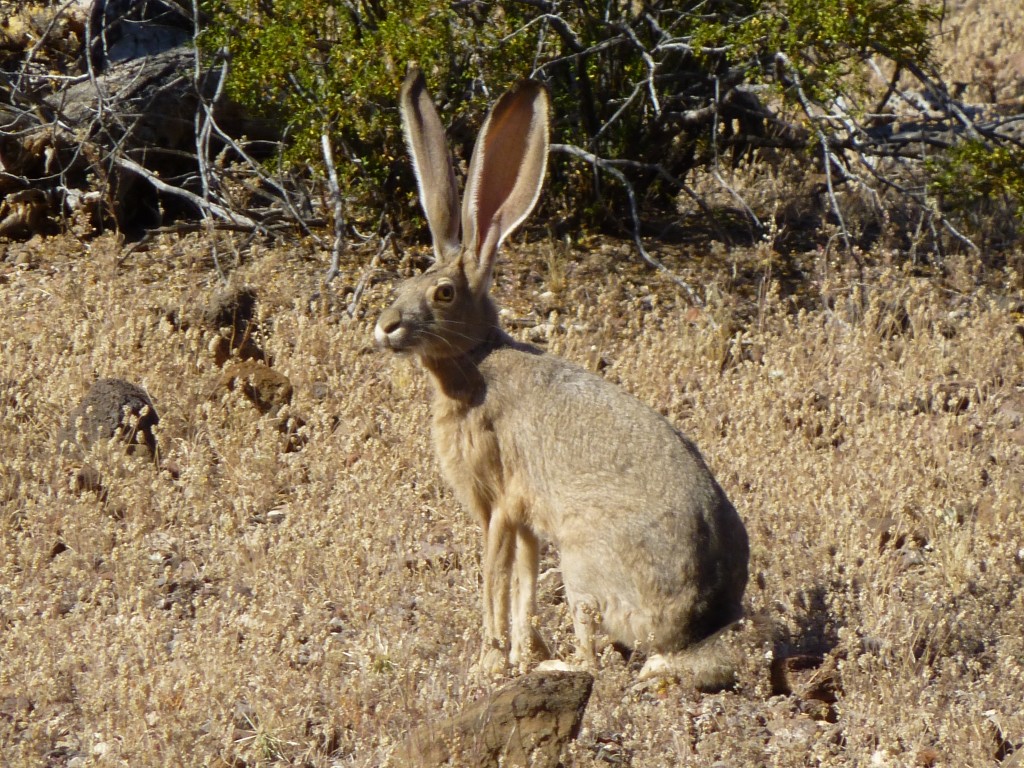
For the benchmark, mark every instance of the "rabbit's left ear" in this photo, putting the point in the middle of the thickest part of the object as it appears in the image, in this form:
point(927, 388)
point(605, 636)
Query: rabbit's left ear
point(424, 134)
point(505, 176)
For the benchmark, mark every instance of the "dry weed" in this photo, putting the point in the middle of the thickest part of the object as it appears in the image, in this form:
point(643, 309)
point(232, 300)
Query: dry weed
point(237, 604)
point(982, 49)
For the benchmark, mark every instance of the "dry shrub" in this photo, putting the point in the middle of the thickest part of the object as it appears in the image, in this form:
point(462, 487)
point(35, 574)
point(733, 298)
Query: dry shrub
point(257, 607)
point(979, 52)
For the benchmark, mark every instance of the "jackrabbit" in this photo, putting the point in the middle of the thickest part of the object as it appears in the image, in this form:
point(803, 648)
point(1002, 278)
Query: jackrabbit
point(651, 549)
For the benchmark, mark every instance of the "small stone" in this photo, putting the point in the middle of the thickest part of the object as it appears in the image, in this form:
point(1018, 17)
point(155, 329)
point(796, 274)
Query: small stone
point(549, 302)
point(264, 387)
point(234, 308)
point(233, 316)
point(88, 479)
point(111, 408)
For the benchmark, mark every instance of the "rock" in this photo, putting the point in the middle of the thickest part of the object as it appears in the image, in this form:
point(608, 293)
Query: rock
point(265, 388)
point(233, 316)
point(124, 30)
point(235, 308)
point(808, 677)
point(549, 302)
point(269, 391)
point(792, 733)
point(89, 479)
point(23, 213)
point(244, 348)
point(525, 723)
point(111, 408)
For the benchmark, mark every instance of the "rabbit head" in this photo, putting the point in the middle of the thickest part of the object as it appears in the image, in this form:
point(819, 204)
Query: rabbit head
point(447, 311)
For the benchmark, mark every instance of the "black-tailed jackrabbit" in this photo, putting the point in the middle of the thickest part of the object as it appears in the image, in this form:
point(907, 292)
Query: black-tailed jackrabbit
point(651, 549)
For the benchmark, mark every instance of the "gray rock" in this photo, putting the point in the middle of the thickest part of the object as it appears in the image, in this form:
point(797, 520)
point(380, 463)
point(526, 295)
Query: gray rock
point(526, 723)
point(111, 408)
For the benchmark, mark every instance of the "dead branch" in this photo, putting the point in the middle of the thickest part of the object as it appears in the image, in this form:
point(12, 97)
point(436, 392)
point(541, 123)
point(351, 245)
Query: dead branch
point(338, 204)
point(156, 121)
point(612, 167)
point(207, 207)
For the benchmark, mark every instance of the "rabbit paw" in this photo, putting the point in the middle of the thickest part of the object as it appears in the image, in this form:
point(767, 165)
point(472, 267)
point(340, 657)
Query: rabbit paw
point(493, 662)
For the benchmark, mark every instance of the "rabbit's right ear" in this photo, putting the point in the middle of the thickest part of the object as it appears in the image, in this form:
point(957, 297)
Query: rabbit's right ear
point(431, 160)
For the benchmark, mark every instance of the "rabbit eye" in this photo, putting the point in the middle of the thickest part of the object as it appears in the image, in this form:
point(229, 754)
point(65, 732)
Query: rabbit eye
point(444, 293)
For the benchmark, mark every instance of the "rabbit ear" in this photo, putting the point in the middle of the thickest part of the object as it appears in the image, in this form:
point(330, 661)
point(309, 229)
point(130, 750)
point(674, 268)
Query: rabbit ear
point(505, 176)
point(424, 135)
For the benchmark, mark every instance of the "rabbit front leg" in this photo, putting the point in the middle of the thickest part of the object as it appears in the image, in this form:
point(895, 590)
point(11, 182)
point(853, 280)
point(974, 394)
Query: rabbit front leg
point(586, 618)
point(499, 553)
point(527, 643)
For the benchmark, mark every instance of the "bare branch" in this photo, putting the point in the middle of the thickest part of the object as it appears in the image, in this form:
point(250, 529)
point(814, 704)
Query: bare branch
point(610, 167)
point(206, 207)
point(652, 67)
point(339, 207)
point(828, 158)
point(371, 268)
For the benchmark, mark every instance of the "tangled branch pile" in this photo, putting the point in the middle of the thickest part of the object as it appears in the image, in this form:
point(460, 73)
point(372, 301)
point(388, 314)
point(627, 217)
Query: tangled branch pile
point(108, 115)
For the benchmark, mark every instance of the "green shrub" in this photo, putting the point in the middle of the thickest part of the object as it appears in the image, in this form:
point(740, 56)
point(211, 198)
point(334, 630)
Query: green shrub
point(319, 65)
point(825, 41)
point(660, 85)
point(974, 177)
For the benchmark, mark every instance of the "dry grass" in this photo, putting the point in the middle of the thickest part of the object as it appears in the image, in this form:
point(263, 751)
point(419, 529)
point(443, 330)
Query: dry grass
point(309, 608)
point(982, 48)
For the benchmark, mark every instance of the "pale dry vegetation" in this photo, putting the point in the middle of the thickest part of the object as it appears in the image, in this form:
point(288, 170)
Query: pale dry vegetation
point(983, 49)
point(237, 604)
point(242, 603)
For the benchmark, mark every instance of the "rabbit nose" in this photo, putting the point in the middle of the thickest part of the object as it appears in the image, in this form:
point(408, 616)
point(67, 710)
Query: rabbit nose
point(389, 321)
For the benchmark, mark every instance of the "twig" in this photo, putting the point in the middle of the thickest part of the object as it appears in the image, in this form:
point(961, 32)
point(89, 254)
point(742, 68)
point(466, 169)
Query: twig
point(618, 113)
point(213, 208)
point(357, 294)
point(828, 157)
point(717, 176)
point(43, 37)
point(339, 207)
point(271, 181)
point(610, 168)
point(716, 163)
point(202, 126)
point(652, 67)
point(938, 88)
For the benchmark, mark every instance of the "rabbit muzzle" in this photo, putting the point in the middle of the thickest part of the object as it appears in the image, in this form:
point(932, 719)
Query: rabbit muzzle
point(390, 332)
